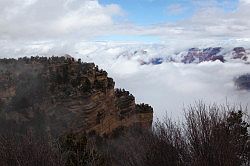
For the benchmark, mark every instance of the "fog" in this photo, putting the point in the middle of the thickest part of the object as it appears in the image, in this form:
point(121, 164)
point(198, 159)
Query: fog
point(168, 87)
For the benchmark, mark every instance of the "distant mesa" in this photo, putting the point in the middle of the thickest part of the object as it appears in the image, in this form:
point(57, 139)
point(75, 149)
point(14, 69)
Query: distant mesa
point(239, 53)
point(195, 55)
point(191, 56)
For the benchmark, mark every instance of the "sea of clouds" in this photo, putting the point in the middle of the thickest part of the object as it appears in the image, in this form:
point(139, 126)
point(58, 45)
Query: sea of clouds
point(170, 87)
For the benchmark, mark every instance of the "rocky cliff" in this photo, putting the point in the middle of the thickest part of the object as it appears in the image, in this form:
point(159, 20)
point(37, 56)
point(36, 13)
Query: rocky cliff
point(61, 94)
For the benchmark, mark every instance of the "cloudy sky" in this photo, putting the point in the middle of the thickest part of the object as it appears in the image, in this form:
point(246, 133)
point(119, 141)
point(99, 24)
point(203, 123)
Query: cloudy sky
point(123, 20)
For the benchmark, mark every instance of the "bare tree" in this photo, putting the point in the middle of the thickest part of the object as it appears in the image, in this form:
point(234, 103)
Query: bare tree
point(210, 135)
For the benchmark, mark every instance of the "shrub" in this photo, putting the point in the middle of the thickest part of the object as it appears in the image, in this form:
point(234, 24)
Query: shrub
point(77, 150)
point(26, 150)
point(209, 136)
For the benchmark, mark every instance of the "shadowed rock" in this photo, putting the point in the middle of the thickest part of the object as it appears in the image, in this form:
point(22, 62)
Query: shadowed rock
point(60, 94)
point(243, 82)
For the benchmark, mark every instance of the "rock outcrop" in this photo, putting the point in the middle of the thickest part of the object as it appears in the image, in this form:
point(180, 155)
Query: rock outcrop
point(61, 94)
point(200, 55)
point(239, 53)
point(243, 82)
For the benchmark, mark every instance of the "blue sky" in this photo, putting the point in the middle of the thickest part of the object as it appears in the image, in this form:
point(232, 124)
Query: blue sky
point(146, 12)
point(157, 12)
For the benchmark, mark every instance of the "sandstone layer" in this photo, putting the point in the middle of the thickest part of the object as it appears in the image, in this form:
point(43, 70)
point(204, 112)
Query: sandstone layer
point(61, 95)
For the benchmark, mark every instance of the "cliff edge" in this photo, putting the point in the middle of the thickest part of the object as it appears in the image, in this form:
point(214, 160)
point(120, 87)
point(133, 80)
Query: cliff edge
point(60, 94)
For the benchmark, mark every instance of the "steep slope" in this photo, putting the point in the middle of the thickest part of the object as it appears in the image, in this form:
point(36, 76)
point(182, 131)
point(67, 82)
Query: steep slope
point(58, 95)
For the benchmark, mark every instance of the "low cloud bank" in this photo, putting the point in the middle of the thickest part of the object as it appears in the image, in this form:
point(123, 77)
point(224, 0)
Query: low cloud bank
point(167, 87)
point(170, 86)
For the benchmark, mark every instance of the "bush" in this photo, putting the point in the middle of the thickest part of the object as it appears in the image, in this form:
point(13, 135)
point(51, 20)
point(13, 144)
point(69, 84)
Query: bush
point(77, 150)
point(209, 136)
point(26, 150)
point(214, 135)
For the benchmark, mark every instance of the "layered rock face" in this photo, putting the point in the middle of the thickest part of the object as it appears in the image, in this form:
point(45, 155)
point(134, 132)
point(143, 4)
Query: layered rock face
point(63, 95)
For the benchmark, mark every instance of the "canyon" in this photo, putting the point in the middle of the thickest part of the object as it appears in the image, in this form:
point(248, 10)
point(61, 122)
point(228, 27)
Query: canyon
point(60, 94)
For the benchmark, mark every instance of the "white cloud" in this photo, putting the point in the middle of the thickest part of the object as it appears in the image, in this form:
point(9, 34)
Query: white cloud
point(175, 9)
point(212, 20)
point(169, 87)
point(46, 19)
point(245, 1)
point(76, 20)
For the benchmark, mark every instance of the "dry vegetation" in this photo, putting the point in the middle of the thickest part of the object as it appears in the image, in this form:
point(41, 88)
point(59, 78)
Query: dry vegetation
point(209, 136)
